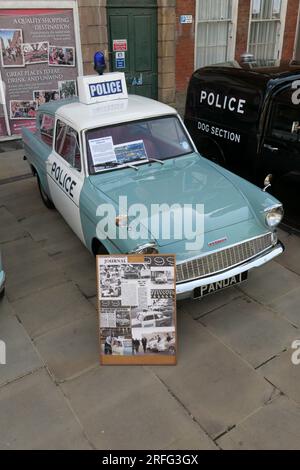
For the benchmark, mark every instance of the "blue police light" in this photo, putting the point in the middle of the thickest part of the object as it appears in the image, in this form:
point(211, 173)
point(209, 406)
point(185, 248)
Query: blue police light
point(99, 62)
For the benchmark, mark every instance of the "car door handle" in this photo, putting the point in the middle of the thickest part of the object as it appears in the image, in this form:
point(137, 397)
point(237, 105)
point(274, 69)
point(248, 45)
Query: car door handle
point(269, 147)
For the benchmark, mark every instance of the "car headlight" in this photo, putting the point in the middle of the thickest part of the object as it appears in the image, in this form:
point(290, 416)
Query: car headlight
point(147, 249)
point(274, 216)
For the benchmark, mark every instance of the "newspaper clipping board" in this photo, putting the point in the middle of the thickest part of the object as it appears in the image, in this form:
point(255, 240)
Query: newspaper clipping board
point(137, 309)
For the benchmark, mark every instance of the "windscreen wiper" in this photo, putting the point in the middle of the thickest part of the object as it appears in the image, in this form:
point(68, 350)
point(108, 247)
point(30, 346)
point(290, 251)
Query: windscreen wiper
point(154, 160)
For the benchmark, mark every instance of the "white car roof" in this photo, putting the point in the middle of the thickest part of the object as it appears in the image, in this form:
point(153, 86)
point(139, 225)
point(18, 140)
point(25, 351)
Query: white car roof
point(83, 116)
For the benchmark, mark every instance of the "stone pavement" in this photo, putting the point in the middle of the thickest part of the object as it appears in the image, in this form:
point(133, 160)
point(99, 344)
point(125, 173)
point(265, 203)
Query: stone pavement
point(234, 387)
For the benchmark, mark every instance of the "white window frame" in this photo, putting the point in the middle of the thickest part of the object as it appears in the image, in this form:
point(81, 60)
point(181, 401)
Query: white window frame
point(231, 38)
point(297, 37)
point(282, 26)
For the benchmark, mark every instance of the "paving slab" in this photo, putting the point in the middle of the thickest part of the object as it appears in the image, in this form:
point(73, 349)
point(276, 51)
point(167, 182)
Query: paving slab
point(10, 228)
point(218, 387)
point(80, 269)
point(199, 308)
point(269, 282)
point(273, 427)
point(12, 164)
point(291, 257)
point(52, 308)
point(37, 417)
point(72, 349)
point(252, 331)
point(22, 198)
point(21, 355)
point(128, 408)
point(288, 306)
point(282, 373)
point(45, 225)
point(29, 269)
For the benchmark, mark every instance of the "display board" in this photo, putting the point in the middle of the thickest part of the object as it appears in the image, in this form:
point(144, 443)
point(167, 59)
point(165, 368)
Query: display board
point(137, 309)
point(40, 59)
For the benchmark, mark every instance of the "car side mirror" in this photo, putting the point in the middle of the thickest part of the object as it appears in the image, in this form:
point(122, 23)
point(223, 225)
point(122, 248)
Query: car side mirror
point(296, 127)
point(268, 182)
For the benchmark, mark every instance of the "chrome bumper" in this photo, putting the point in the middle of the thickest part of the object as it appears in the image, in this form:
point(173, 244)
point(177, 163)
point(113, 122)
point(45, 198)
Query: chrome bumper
point(186, 289)
point(2, 281)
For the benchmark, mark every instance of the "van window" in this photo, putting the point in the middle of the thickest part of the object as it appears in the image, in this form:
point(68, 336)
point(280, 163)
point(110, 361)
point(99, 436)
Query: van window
point(46, 125)
point(284, 117)
point(67, 144)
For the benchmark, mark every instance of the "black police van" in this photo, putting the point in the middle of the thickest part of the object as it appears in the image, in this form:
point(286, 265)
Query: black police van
point(247, 119)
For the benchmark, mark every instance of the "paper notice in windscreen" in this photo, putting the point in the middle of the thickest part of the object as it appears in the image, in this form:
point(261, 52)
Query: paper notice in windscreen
point(102, 150)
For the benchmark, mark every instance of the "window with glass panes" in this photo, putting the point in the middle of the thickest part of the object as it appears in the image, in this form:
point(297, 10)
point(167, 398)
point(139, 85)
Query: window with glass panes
point(215, 35)
point(266, 29)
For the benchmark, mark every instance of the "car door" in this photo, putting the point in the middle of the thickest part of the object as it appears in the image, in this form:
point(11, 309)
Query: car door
point(281, 152)
point(65, 175)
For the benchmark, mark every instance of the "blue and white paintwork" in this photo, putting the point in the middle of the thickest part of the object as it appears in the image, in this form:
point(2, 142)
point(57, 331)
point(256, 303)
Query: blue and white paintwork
point(235, 210)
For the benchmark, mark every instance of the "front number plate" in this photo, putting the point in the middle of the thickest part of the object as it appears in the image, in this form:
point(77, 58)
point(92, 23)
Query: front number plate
point(220, 285)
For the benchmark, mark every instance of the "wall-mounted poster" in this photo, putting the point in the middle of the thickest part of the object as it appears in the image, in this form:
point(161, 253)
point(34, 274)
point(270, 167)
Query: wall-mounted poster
point(40, 60)
point(137, 309)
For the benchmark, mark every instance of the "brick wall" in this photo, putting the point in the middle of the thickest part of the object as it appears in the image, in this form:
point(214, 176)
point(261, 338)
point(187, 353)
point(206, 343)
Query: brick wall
point(185, 50)
point(93, 31)
point(242, 28)
point(290, 30)
point(166, 51)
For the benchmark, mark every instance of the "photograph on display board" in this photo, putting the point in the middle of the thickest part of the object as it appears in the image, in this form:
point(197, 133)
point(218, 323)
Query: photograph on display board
point(61, 56)
point(22, 109)
point(45, 96)
point(11, 41)
point(137, 320)
point(35, 53)
point(67, 89)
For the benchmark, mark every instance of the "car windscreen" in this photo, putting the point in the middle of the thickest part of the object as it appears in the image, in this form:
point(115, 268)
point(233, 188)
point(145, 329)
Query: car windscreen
point(136, 142)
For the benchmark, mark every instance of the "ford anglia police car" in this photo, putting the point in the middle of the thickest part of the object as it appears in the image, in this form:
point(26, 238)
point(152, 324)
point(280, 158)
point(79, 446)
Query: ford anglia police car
point(92, 151)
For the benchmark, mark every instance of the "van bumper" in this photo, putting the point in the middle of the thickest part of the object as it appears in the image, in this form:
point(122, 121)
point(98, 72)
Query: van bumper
point(186, 290)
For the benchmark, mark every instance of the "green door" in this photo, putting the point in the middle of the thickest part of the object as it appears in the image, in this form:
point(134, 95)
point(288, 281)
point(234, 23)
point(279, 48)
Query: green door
point(133, 44)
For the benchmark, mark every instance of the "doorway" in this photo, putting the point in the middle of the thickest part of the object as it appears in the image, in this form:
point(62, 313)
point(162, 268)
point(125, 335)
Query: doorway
point(132, 29)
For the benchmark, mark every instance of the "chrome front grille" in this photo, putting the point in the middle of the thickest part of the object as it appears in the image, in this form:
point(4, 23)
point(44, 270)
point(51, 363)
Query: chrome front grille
point(221, 260)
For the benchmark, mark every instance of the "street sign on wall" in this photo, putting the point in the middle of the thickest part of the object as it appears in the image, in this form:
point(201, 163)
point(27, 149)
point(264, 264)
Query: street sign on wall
point(40, 59)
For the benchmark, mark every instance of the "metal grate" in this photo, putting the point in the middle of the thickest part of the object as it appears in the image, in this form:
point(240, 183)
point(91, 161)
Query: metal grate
point(223, 259)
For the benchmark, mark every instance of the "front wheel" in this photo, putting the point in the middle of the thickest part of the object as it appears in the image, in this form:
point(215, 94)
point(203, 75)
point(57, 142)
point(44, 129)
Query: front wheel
point(2, 294)
point(48, 203)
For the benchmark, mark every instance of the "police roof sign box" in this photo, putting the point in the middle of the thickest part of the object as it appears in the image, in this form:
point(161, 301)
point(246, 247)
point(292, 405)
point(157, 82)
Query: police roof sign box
point(100, 88)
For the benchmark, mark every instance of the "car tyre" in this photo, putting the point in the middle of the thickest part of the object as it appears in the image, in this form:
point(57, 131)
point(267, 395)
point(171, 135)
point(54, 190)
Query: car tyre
point(48, 203)
point(2, 293)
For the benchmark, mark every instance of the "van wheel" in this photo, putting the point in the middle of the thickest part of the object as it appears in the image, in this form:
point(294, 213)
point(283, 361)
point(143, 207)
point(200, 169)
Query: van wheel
point(48, 203)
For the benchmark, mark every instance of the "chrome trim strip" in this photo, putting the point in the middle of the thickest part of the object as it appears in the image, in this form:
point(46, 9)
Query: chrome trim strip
point(207, 253)
point(185, 291)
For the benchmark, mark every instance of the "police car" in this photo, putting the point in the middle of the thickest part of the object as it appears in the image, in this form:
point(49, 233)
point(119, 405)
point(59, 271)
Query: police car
point(91, 153)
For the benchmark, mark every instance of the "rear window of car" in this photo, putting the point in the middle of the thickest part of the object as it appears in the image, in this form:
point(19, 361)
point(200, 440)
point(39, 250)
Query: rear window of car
point(136, 142)
point(46, 128)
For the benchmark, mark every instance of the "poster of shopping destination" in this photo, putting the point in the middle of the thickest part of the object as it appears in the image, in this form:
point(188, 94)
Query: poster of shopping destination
point(137, 309)
point(39, 62)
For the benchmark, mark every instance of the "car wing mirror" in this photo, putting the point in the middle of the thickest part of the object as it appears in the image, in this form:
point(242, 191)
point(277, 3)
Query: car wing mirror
point(267, 182)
